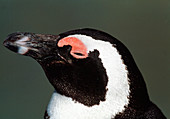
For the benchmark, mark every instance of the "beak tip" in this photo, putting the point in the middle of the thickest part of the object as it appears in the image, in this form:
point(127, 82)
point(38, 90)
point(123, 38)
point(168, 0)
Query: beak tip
point(6, 43)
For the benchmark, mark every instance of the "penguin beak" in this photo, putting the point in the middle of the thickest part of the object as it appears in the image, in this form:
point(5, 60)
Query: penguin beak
point(30, 44)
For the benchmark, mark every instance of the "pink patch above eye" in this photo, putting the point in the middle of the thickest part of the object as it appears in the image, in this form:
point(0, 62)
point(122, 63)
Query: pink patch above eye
point(78, 50)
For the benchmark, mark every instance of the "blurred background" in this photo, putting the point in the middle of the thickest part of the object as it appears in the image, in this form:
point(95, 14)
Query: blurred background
point(142, 25)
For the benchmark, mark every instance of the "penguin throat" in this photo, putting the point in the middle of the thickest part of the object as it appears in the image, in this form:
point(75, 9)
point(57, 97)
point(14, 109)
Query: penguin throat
point(84, 81)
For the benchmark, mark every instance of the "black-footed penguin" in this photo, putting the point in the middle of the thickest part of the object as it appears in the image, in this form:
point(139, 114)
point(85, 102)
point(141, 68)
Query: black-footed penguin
point(93, 74)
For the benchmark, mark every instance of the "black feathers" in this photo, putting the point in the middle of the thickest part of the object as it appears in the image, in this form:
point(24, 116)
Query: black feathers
point(85, 79)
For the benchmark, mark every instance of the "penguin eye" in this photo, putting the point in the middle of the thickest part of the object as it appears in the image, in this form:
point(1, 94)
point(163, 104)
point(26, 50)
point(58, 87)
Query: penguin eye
point(80, 54)
point(78, 50)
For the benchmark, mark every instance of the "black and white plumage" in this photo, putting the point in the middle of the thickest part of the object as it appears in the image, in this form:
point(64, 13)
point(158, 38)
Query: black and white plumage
point(94, 75)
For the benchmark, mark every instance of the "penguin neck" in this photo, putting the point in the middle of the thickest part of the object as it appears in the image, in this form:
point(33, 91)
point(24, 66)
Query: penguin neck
point(130, 93)
point(116, 96)
point(124, 77)
point(138, 97)
point(125, 88)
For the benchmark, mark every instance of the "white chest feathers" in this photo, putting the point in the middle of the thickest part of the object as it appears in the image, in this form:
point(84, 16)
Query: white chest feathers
point(62, 107)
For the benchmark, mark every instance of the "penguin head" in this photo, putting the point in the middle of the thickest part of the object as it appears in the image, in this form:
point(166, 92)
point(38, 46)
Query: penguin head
point(87, 65)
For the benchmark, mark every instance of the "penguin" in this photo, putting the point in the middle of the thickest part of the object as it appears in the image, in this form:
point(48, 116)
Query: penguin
point(93, 74)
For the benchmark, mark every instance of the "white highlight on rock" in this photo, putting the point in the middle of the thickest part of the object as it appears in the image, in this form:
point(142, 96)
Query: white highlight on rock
point(62, 107)
point(22, 49)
